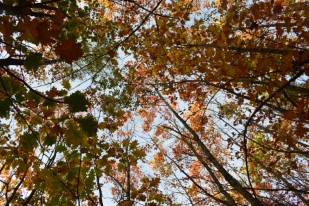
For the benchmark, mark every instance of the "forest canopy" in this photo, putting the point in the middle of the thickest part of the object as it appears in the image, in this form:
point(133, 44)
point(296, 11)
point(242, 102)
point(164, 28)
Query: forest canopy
point(154, 102)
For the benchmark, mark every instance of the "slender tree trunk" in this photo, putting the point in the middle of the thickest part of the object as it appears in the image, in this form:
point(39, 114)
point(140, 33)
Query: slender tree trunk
point(128, 189)
point(100, 190)
point(228, 177)
point(16, 188)
point(196, 184)
point(29, 197)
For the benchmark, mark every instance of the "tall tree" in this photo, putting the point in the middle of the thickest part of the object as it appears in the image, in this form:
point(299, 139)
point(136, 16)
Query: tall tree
point(47, 127)
point(229, 81)
point(213, 97)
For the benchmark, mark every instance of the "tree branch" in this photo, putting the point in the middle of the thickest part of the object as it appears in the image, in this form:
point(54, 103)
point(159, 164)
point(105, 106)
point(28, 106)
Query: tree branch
point(254, 113)
point(228, 177)
point(29, 87)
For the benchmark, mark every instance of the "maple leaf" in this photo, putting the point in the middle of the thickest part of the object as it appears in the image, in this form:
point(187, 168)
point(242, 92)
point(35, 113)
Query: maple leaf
point(33, 61)
point(74, 136)
point(50, 140)
point(68, 50)
point(44, 34)
point(77, 102)
point(4, 107)
point(212, 71)
point(66, 84)
point(89, 125)
point(6, 27)
point(29, 29)
point(28, 141)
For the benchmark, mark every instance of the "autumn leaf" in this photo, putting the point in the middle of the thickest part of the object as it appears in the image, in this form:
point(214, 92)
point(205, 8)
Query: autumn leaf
point(141, 197)
point(44, 34)
point(154, 182)
point(68, 50)
point(6, 27)
point(126, 203)
point(212, 89)
point(29, 29)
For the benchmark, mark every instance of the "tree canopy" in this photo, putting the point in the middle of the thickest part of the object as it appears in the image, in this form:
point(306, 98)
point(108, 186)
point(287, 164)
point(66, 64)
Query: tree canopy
point(154, 102)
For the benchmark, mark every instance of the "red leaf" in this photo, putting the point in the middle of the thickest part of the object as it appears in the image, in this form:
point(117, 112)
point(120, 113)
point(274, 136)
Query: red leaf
point(69, 50)
point(6, 28)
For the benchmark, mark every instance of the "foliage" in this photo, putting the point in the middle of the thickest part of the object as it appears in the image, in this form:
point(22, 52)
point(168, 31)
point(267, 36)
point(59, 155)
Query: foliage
point(161, 102)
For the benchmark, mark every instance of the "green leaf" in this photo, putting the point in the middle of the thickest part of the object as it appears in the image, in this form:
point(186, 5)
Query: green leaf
point(89, 182)
point(88, 125)
point(66, 84)
point(28, 141)
point(70, 175)
point(4, 107)
point(74, 136)
point(60, 148)
point(49, 140)
point(139, 153)
point(103, 161)
point(49, 103)
point(77, 102)
point(108, 169)
point(54, 201)
point(33, 97)
point(125, 143)
point(133, 145)
point(19, 96)
point(133, 160)
point(33, 61)
point(121, 167)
